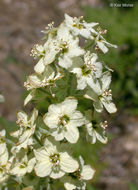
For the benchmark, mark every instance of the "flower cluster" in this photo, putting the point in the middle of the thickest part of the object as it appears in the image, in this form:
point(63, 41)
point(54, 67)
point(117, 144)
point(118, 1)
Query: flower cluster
point(66, 76)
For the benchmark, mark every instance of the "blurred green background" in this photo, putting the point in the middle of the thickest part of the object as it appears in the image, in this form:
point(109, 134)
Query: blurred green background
point(22, 21)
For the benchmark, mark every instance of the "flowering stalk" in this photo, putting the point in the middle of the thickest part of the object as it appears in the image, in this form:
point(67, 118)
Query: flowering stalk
point(65, 75)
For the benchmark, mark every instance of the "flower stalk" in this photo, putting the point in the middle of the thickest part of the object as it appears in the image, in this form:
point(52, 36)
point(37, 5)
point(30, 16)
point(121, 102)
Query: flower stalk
point(68, 85)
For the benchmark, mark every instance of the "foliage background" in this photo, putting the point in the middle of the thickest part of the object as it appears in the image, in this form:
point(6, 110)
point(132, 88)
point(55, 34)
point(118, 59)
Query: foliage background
point(21, 22)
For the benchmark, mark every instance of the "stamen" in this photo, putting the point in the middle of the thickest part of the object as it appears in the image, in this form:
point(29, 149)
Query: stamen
point(104, 125)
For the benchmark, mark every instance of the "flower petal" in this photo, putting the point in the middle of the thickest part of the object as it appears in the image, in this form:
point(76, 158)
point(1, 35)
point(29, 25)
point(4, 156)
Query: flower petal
point(106, 80)
point(87, 172)
point(57, 174)
point(43, 169)
point(77, 119)
point(41, 154)
point(109, 106)
point(40, 67)
point(98, 106)
point(51, 120)
point(72, 134)
point(67, 163)
point(69, 105)
point(100, 138)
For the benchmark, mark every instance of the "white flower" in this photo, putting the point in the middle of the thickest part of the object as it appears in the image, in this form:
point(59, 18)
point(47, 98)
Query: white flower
point(67, 47)
point(93, 134)
point(62, 45)
point(86, 172)
point(83, 174)
point(47, 78)
point(47, 54)
point(101, 95)
point(93, 130)
point(79, 27)
point(63, 120)
point(23, 166)
point(103, 44)
point(88, 72)
point(27, 129)
point(51, 162)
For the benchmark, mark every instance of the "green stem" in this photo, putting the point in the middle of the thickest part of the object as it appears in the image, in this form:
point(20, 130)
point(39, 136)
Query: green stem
point(37, 139)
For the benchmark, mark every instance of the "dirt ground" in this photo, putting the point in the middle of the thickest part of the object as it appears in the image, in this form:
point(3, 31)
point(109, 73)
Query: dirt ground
point(20, 24)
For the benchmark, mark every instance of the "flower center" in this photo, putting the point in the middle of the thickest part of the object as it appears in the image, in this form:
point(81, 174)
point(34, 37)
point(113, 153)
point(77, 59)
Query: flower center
point(37, 51)
point(63, 47)
point(23, 165)
point(63, 120)
point(2, 140)
point(76, 23)
point(55, 159)
point(107, 93)
point(85, 71)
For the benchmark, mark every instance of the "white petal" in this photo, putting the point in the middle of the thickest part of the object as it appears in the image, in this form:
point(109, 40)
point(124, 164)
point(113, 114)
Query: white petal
point(2, 133)
point(40, 67)
point(87, 172)
point(109, 45)
point(69, 182)
point(18, 171)
point(102, 46)
point(41, 154)
point(77, 70)
point(34, 116)
point(50, 146)
point(4, 157)
point(77, 119)
point(15, 133)
point(54, 108)
point(50, 55)
point(98, 68)
point(106, 80)
point(43, 168)
point(29, 97)
point(2, 147)
point(69, 105)
point(51, 120)
point(31, 164)
point(90, 25)
point(72, 134)
point(63, 33)
point(109, 106)
point(81, 83)
point(65, 62)
point(34, 81)
point(57, 174)
point(58, 136)
point(74, 49)
point(100, 138)
point(69, 186)
point(68, 20)
point(85, 33)
point(67, 163)
point(22, 116)
point(90, 94)
point(98, 106)
point(94, 85)
point(93, 140)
